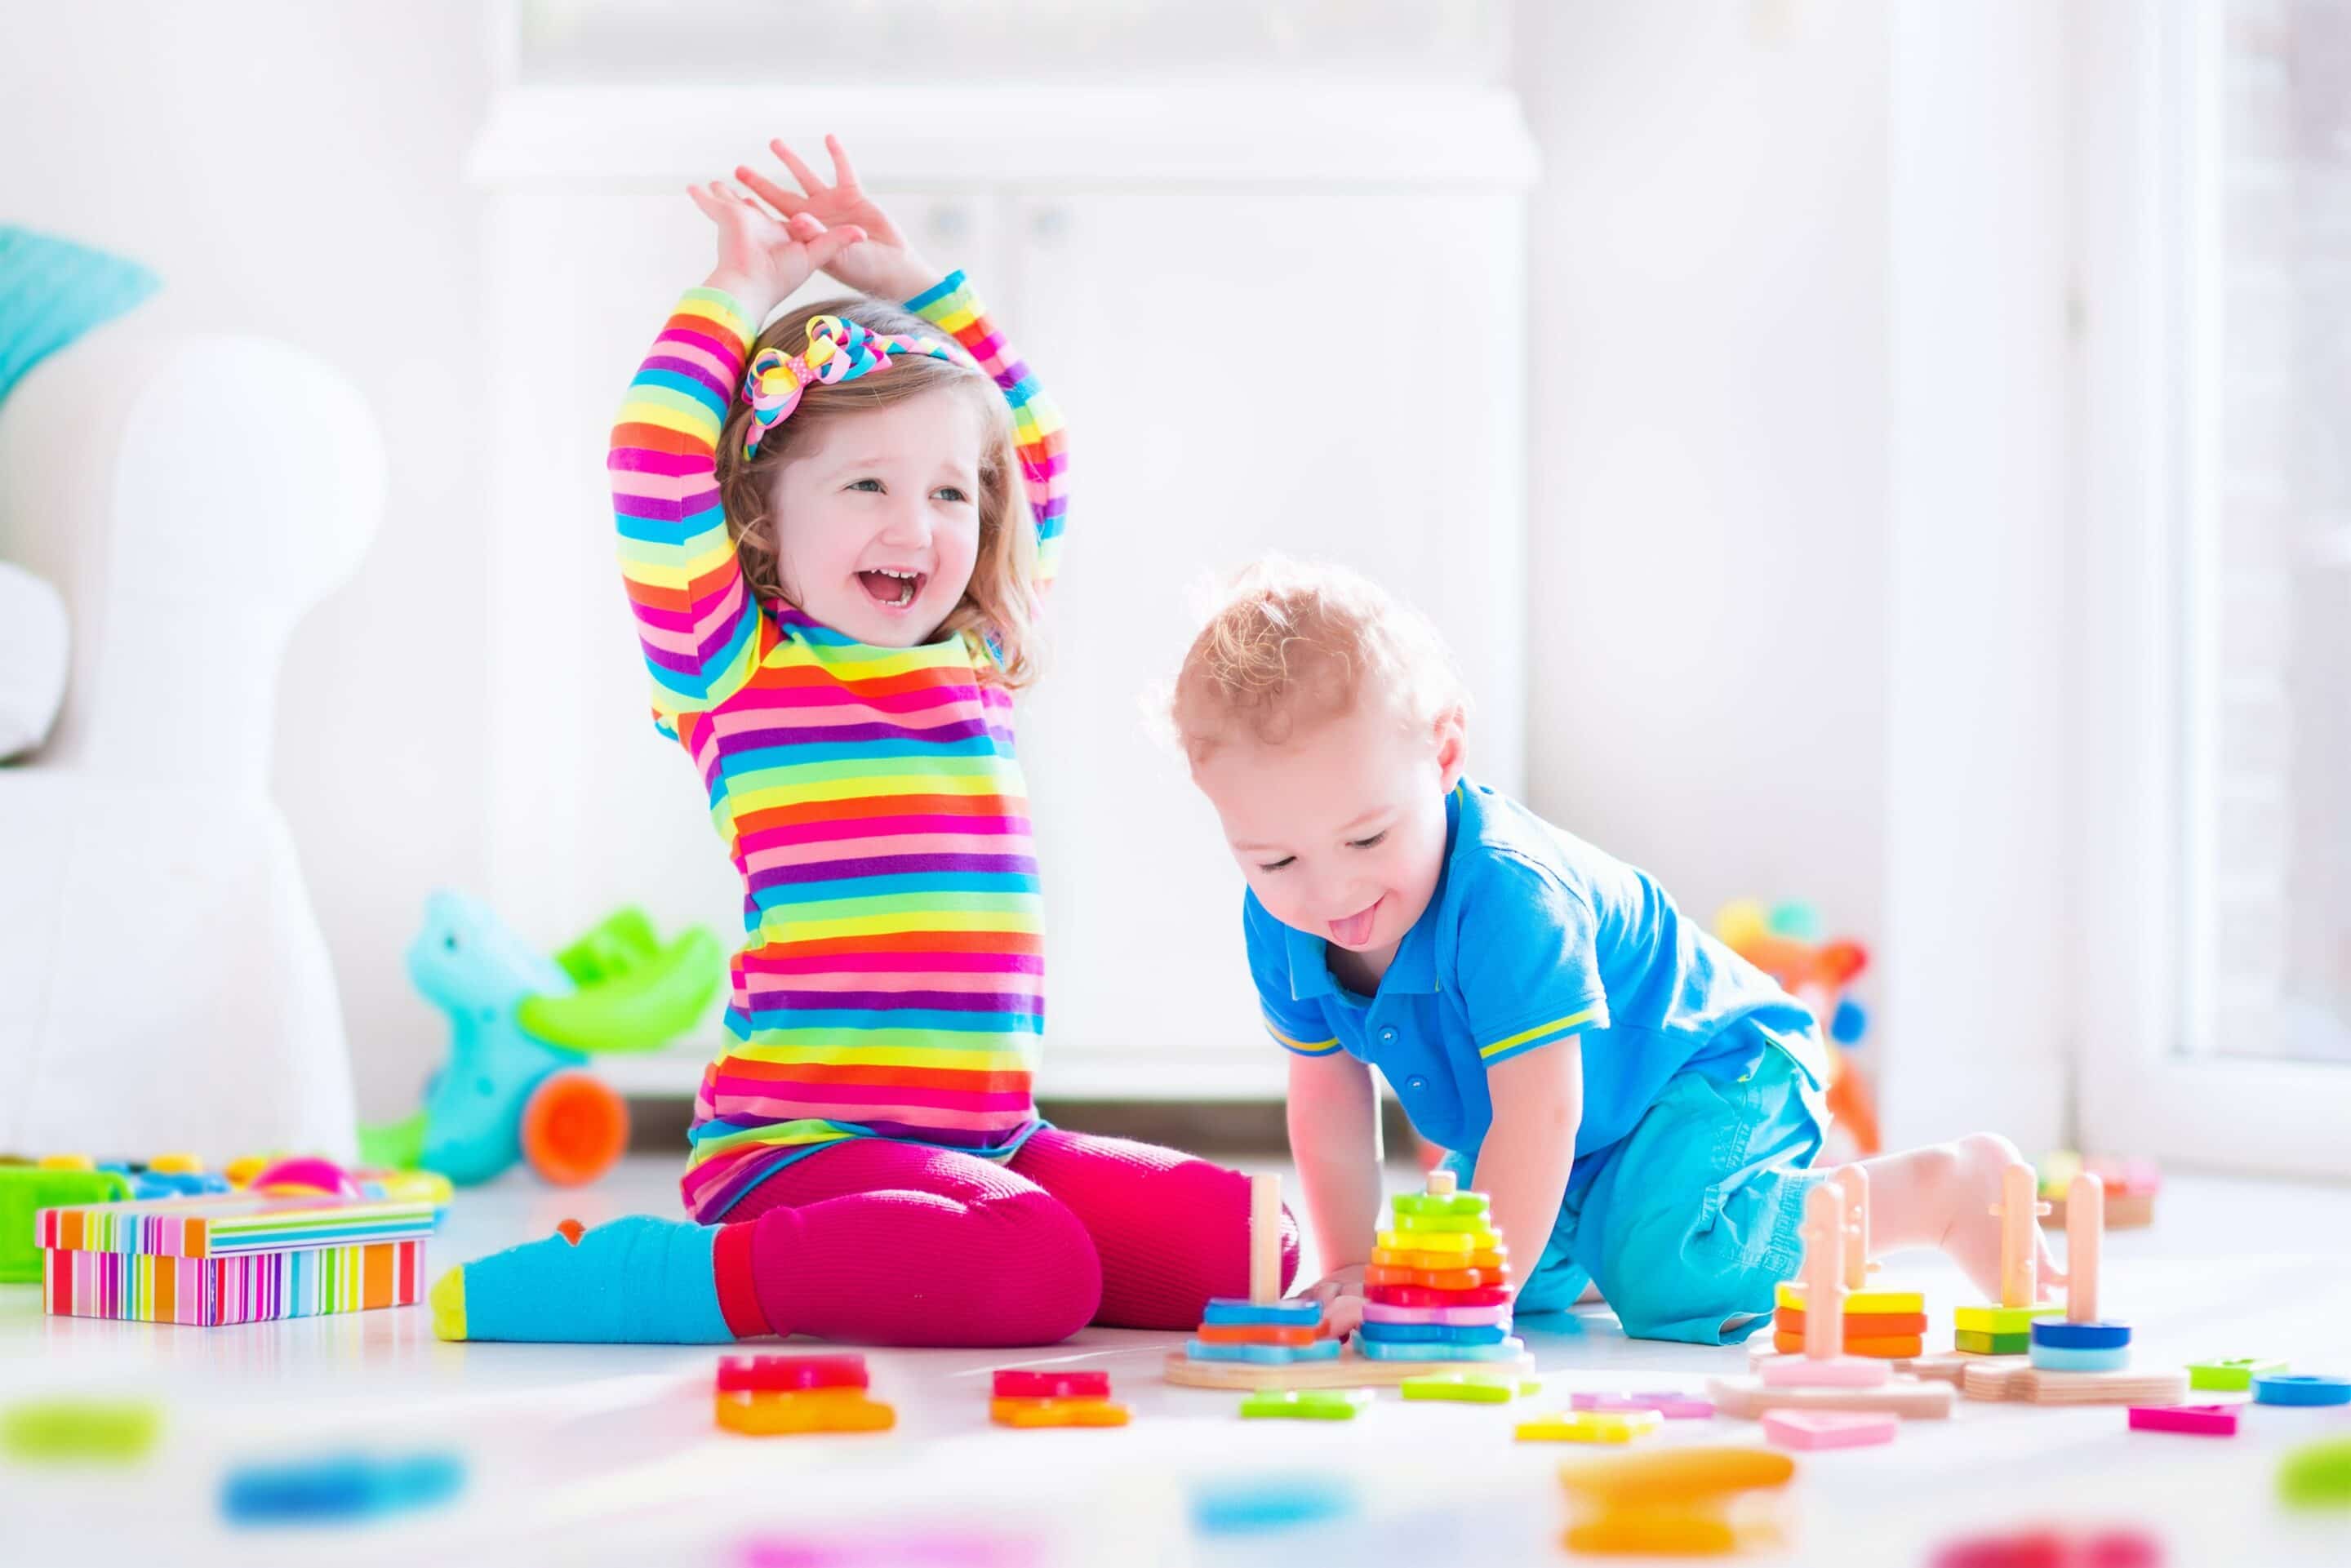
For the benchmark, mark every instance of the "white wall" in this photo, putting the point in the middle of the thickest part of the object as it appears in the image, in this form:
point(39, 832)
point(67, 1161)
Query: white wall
point(1707, 504)
point(1799, 417)
point(291, 169)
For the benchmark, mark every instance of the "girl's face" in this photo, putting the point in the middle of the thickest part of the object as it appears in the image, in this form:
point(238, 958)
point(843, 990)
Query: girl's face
point(877, 518)
point(1340, 830)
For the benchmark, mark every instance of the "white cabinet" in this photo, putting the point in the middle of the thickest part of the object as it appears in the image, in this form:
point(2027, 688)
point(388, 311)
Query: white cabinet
point(1280, 347)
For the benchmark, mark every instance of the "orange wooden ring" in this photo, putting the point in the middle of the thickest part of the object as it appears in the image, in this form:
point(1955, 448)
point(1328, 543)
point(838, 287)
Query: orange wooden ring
point(573, 1127)
point(1895, 1347)
point(1858, 1326)
point(1253, 1333)
point(1431, 1279)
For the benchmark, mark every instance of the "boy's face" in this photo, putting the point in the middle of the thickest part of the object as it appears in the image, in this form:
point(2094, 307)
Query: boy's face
point(878, 520)
point(1341, 829)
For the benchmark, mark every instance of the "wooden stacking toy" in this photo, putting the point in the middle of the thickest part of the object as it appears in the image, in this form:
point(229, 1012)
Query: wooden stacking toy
point(1419, 1320)
point(1888, 1325)
point(1677, 1502)
point(2080, 1358)
point(780, 1396)
point(1823, 1376)
point(1033, 1399)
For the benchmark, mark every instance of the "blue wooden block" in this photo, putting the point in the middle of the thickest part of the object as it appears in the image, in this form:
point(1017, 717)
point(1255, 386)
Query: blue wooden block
point(340, 1487)
point(1434, 1333)
point(2058, 1358)
point(1288, 1314)
point(2059, 1334)
point(2301, 1388)
point(1263, 1355)
point(1418, 1350)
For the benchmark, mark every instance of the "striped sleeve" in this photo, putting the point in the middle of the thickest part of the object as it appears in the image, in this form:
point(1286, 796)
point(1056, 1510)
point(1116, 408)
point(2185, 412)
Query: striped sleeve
point(1530, 969)
point(695, 622)
point(1038, 431)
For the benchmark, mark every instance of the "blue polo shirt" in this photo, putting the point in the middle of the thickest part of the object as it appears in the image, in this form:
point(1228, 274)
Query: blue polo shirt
point(1533, 937)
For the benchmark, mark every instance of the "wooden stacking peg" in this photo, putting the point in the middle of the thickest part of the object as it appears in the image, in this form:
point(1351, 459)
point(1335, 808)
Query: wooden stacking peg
point(2086, 1229)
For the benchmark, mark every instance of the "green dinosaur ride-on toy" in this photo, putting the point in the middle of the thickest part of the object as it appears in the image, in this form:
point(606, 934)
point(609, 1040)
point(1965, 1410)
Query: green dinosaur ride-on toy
point(522, 1029)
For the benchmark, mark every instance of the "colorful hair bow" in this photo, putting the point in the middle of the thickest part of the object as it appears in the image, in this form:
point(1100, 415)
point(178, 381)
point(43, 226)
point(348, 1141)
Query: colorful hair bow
point(838, 351)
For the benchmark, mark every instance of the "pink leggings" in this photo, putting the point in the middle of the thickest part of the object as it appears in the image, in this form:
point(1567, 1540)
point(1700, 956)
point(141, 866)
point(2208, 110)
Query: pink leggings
point(886, 1243)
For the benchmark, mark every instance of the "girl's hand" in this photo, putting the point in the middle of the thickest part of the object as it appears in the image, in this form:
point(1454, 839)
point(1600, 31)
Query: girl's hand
point(881, 263)
point(762, 257)
point(1341, 1291)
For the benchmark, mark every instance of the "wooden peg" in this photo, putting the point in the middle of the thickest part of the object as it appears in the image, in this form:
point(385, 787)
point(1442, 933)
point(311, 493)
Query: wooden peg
point(1264, 1238)
point(1824, 1271)
point(1441, 1183)
point(2019, 1208)
point(1853, 1182)
point(2086, 1232)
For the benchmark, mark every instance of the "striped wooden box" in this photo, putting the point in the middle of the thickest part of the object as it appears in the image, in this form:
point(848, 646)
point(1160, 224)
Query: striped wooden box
point(218, 1226)
point(242, 1288)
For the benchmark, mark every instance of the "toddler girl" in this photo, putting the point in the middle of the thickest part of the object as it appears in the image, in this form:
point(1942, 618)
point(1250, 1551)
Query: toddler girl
point(1640, 1103)
point(835, 578)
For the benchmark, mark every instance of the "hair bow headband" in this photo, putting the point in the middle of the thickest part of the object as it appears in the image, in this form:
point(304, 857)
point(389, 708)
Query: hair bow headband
point(838, 351)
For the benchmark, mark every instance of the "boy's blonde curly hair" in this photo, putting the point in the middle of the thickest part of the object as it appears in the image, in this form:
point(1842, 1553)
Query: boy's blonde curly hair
point(999, 602)
point(1291, 644)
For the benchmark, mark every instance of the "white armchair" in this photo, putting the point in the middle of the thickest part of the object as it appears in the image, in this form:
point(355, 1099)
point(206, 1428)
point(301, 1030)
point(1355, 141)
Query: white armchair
point(163, 983)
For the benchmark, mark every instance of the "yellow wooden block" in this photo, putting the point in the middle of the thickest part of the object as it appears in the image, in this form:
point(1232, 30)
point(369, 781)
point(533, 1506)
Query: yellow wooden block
point(1056, 1411)
point(1438, 1240)
point(2003, 1320)
point(1591, 1426)
point(769, 1415)
point(176, 1165)
point(1791, 1294)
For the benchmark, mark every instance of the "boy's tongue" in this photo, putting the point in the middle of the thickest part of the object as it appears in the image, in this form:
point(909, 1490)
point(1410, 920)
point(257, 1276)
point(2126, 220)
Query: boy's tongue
point(1356, 928)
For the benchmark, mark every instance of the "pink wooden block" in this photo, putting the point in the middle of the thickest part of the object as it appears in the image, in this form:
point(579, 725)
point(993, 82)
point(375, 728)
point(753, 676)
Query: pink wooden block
point(1450, 1317)
point(1828, 1428)
point(2205, 1420)
point(1672, 1406)
point(1837, 1372)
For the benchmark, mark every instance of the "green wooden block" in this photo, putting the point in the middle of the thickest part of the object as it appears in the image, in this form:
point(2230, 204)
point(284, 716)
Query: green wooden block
point(2233, 1376)
point(80, 1430)
point(24, 1191)
point(1305, 1403)
point(1457, 1205)
point(1992, 1344)
point(1465, 1388)
point(2317, 1475)
point(2003, 1319)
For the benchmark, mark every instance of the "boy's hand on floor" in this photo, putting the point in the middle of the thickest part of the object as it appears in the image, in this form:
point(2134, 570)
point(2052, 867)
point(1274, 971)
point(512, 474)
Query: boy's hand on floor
point(1341, 1291)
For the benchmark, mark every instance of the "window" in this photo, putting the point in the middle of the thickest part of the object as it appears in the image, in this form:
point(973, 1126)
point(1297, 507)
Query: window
point(2213, 181)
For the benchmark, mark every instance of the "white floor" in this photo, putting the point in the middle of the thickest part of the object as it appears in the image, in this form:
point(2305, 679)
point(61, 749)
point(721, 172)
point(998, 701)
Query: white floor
point(606, 1454)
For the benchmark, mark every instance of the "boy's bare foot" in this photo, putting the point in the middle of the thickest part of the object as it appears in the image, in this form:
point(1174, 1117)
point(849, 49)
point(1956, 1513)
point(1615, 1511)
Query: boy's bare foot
point(1970, 1233)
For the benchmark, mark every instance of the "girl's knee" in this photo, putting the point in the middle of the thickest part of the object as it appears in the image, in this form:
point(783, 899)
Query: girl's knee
point(1046, 1275)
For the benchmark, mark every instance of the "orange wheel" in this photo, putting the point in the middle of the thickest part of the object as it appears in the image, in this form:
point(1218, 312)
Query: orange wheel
point(573, 1128)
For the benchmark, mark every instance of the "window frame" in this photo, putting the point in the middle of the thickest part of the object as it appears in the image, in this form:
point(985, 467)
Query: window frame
point(2147, 110)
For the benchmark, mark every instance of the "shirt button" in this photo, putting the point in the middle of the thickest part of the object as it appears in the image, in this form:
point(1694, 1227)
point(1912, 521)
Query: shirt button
point(1387, 1037)
point(1415, 1081)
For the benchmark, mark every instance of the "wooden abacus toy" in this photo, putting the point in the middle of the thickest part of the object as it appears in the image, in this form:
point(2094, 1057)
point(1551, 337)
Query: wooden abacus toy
point(1265, 1343)
point(1884, 1325)
point(2079, 1359)
point(1822, 1378)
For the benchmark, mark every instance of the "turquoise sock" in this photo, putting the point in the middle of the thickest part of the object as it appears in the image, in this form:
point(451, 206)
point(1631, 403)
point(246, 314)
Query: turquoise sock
point(638, 1280)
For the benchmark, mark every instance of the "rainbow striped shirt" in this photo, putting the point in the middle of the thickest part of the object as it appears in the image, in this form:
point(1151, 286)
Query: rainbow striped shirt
point(892, 979)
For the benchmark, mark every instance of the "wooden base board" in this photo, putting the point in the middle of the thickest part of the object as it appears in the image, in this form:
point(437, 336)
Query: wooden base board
point(1760, 1350)
point(1904, 1396)
point(1349, 1370)
point(2013, 1377)
point(1950, 1366)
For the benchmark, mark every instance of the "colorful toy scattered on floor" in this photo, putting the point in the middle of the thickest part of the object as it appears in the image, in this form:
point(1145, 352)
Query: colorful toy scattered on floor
point(1437, 1297)
point(522, 1030)
point(2051, 1547)
point(780, 1395)
point(1885, 1325)
point(2075, 1358)
point(1785, 943)
point(1472, 1387)
point(1306, 1403)
point(1821, 1376)
point(1439, 1285)
point(341, 1489)
point(1687, 1502)
point(231, 1258)
point(1019, 1399)
point(67, 1431)
point(2317, 1475)
point(2131, 1186)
